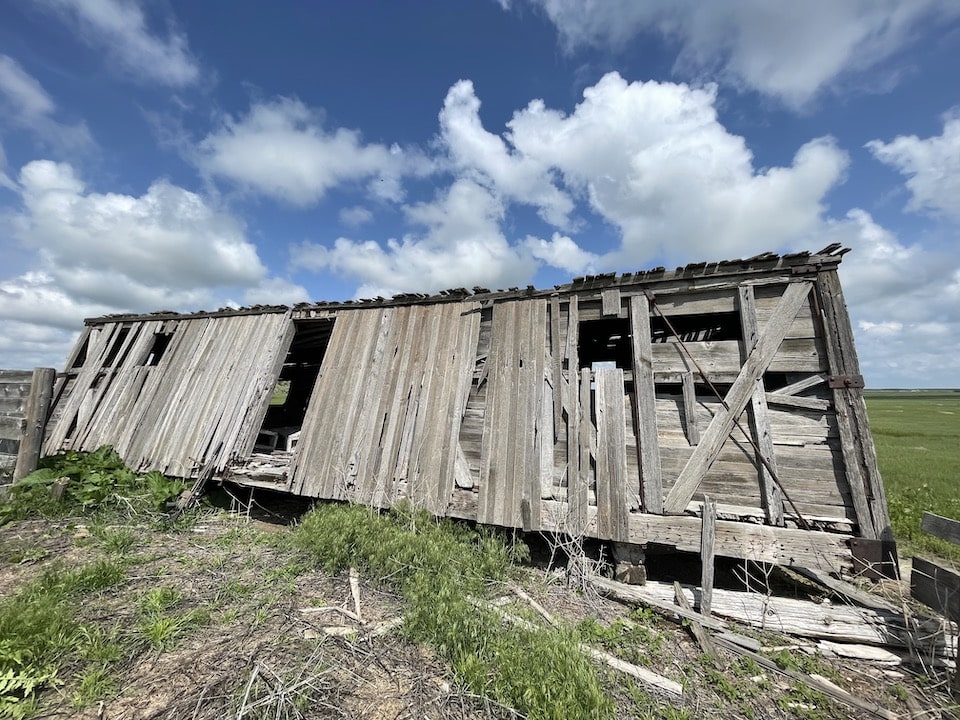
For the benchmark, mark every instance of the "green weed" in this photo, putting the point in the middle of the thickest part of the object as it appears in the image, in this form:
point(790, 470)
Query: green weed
point(439, 566)
point(39, 630)
point(96, 480)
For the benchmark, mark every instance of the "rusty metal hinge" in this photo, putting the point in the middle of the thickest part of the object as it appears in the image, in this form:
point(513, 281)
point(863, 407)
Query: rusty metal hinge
point(840, 382)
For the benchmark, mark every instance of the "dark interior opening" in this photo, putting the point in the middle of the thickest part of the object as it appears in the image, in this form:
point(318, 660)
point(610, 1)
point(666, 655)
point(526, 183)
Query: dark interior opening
point(605, 340)
point(697, 328)
point(81, 357)
point(115, 347)
point(288, 405)
point(161, 341)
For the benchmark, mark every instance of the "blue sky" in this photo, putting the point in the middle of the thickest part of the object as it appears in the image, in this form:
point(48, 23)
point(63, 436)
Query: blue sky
point(186, 155)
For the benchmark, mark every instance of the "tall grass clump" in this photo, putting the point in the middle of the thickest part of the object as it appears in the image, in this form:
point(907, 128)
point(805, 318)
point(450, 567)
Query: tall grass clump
point(442, 569)
point(39, 631)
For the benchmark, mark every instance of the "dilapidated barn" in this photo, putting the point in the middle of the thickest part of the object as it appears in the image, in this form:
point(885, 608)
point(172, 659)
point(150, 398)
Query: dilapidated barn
point(607, 407)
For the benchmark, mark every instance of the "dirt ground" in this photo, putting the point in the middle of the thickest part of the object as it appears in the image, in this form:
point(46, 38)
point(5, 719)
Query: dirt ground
point(279, 639)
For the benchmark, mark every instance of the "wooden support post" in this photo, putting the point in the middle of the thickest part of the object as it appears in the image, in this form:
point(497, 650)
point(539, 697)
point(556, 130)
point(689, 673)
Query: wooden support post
point(38, 404)
point(759, 422)
point(856, 440)
point(648, 442)
point(708, 536)
point(690, 426)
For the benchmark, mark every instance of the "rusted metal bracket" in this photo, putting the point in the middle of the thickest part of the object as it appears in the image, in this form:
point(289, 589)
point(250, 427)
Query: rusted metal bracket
point(840, 382)
point(874, 559)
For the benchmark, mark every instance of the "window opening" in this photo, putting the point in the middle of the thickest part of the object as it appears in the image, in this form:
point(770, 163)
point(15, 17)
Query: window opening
point(606, 341)
point(81, 357)
point(161, 341)
point(115, 347)
point(697, 328)
point(291, 394)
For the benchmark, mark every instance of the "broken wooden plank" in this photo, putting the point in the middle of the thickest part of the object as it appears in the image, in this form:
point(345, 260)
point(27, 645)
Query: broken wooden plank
point(814, 682)
point(860, 459)
point(690, 426)
point(701, 636)
point(797, 402)
point(737, 398)
point(708, 535)
point(612, 512)
point(648, 443)
point(943, 528)
point(936, 587)
point(610, 302)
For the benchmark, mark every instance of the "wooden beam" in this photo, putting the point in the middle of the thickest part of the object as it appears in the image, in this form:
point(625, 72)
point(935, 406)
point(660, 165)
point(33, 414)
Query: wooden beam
point(803, 403)
point(648, 442)
point(701, 636)
point(943, 528)
point(708, 535)
point(764, 455)
point(856, 440)
point(801, 385)
point(690, 426)
point(556, 357)
point(35, 421)
point(576, 519)
point(737, 398)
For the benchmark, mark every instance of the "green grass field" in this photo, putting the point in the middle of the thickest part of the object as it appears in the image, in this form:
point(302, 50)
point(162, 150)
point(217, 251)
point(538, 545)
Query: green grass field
point(917, 434)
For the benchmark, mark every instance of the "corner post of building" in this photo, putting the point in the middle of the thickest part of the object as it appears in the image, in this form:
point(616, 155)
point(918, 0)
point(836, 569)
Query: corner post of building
point(35, 421)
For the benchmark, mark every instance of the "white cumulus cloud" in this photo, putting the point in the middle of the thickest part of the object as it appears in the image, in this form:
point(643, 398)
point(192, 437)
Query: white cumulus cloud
point(281, 149)
point(790, 51)
point(931, 166)
point(460, 244)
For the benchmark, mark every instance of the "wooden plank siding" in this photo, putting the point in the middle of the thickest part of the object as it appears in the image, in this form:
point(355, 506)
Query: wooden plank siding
point(384, 419)
point(195, 406)
point(608, 407)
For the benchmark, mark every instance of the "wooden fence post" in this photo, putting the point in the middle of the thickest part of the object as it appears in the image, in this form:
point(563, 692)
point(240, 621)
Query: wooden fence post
point(35, 422)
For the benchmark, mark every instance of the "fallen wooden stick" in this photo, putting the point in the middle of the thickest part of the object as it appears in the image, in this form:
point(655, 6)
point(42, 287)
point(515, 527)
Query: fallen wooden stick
point(814, 682)
point(703, 640)
point(653, 681)
point(631, 595)
point(355, 591)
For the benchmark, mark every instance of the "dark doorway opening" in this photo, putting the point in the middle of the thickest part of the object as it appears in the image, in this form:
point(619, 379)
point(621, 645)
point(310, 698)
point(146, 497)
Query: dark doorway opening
point(291, 395)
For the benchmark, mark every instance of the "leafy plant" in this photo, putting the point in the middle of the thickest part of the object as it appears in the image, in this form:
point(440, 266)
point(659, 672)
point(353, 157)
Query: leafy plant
point(94, 479)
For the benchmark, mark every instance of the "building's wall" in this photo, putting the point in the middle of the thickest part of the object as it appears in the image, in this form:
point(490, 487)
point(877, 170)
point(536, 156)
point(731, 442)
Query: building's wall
point(199, 404)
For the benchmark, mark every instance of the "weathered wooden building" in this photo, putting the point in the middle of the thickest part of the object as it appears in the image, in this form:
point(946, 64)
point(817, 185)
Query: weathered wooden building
point(607, 407)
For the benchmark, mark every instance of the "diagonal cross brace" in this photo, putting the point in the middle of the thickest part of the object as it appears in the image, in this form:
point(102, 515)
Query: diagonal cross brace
point(737, 397)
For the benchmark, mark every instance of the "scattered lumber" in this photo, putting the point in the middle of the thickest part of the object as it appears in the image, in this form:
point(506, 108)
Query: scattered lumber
point(815, 682)
point(652, 681)
point(703, 640)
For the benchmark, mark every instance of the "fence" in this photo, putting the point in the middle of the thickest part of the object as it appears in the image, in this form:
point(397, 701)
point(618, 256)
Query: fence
point(24, 403)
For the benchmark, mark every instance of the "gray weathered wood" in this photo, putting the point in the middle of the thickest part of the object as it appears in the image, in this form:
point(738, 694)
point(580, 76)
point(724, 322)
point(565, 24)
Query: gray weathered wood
point(797, 402)
point(937, 587)
point(10, 427)
point(35, 421)
point(612, 512)
point(701, 636)
point(610, 302)
point(860, 459)
point(708, 537)
point(648, 443)
point(737, 398)
point(801, 385)
point(556, 357)
point(944, 528)
point(757, 410)
point(690, 425)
